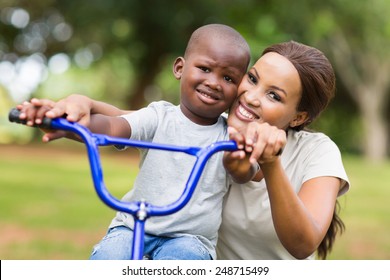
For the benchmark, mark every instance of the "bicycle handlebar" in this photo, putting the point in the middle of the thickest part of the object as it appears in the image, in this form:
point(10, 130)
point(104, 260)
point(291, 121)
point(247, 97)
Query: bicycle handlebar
point(14, 114)
point(137, 208)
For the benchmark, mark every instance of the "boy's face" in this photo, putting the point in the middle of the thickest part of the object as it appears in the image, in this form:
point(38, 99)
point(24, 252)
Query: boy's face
point(209, 79)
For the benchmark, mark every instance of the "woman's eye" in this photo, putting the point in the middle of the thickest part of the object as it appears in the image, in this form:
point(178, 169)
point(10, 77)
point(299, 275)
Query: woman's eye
point(252, 78)
point(274, 96)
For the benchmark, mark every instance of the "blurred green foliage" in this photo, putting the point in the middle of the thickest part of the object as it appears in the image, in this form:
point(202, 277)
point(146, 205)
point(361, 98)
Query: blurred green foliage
point(122, 52)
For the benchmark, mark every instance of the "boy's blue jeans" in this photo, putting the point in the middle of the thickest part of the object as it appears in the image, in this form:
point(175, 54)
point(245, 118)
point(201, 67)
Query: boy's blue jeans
point(116, 245)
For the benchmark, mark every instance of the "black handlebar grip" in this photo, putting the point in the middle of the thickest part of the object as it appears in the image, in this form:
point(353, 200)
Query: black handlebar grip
point(14, 114)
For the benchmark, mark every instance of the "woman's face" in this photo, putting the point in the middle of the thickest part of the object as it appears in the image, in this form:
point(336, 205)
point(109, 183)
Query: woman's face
point(269, 92)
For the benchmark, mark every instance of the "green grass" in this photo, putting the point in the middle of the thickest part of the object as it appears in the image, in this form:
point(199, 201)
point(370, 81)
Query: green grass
point(49, 209)
point(366, 212)
point(48, 206)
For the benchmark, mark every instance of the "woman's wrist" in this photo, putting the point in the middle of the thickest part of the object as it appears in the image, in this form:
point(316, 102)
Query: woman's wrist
point(270, 165)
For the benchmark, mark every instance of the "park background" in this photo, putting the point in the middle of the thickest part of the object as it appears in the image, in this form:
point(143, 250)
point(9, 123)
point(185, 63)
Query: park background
point(122, 52)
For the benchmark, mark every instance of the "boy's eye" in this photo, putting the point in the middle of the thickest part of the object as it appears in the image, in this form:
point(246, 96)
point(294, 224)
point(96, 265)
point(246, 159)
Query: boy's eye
point(228, 79)
point(204, 69)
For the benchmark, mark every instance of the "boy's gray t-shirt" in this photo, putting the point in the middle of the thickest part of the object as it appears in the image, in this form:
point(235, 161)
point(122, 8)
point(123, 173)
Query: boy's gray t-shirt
point(163, 174)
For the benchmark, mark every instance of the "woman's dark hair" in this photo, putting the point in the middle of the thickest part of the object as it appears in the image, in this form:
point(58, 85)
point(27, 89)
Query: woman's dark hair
point(336, 226)
point(316, 74)
point(318, 88)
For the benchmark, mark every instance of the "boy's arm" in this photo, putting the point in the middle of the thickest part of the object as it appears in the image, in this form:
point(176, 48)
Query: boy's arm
point(98, 116)
point(99, 107)
point(79, 108)
point(113, 126)
point(76, 108)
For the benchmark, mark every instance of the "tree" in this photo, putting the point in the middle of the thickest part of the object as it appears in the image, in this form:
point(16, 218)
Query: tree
point(144, 32)
point(356, 36)
point(363, 60)
point(358, 43)
point(144, 35)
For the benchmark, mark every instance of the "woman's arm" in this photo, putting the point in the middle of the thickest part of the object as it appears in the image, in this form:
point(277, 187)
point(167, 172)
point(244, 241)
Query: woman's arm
point(301, 220)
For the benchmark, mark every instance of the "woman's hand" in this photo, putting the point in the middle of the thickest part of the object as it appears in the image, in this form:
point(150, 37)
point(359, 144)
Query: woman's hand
point(237, 162)
point(264, 142)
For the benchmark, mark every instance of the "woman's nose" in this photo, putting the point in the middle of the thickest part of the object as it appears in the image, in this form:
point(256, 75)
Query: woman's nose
point(252, 97)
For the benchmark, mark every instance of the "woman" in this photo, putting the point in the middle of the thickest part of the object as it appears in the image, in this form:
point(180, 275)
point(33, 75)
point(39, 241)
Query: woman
point(288, 208)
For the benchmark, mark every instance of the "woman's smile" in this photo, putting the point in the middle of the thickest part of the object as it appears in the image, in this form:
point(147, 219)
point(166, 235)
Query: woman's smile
point(244, 113)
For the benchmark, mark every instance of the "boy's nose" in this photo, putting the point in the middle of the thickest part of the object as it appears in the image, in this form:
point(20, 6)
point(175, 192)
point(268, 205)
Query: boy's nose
point(214, 83)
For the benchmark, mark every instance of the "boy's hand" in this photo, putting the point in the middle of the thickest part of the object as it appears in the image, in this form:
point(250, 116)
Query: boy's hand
point(237, 162)
point(77, 108)
point(34, 111)
point(240, 140)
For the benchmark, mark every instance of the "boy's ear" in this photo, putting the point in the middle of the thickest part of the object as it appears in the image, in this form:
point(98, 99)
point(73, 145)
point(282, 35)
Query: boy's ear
point(178, 67)
point(300, 118)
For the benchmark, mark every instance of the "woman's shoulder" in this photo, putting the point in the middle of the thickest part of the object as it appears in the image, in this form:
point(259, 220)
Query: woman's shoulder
point(310, 143)
point(319, 151)
point(309, 138)
point(308, 135)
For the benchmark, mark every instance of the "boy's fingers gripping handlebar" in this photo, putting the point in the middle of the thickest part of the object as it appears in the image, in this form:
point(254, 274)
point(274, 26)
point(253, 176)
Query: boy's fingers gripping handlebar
point(14, 114)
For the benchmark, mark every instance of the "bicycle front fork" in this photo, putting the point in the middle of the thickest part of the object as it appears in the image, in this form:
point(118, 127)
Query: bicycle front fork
point(139, 233)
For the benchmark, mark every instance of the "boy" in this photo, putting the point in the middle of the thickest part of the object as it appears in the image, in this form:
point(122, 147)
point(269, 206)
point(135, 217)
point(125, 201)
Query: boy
point(215, 60)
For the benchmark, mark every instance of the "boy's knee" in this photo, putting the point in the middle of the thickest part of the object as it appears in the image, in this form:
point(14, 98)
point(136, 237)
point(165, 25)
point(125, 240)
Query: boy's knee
point(182, 248)
point(116, 245)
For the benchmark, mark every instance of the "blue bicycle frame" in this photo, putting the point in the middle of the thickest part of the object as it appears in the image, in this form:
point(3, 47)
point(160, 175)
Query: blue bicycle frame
point(140, 210)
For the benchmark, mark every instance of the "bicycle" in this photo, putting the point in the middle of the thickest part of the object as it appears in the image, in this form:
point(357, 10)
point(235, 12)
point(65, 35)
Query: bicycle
point(140, 210)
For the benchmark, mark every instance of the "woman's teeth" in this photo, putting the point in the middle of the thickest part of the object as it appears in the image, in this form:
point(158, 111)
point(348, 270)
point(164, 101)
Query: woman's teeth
point(245, 113)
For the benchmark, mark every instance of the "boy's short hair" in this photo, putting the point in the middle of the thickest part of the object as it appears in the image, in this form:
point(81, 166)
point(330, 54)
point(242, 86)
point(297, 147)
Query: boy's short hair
point(221, 31)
